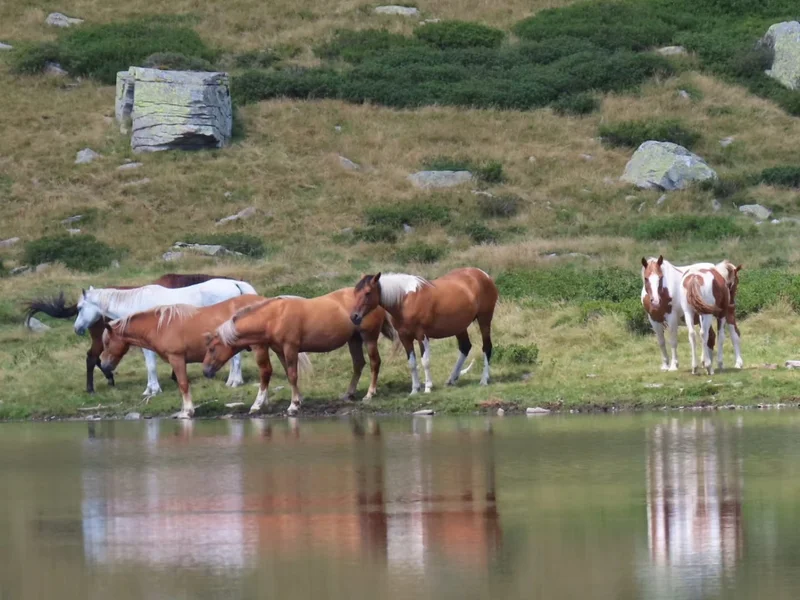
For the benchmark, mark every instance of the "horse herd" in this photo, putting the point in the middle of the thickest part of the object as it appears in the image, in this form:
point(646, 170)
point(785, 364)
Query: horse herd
point(210, 320)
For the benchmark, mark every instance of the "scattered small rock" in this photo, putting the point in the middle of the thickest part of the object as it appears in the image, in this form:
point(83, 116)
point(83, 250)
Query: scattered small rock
point(129, 166)
point(85, 156)
point(36, 325)
point(73, 231)
point(526, 376)
point(500, 412)
point(115, 264)
point(536, 410)
point(531, 159)
point(630, 198)
point(5, 46)
point(671, 50)
point(408, 228)
point(72, 219)
point(228, 194)
point(133, 416)
point(426, 21)
point(207, 249)
point(425, 412)
point(41, 268)
point(587, 157)
point(346, 231)
point(716, 205)
point(337, 128)
point(756, 210)
point(136, 182)
point(171, 256)
point(684, 94)
point(55, 69)
point(20, 270)
point(348, 164)
point(653, 386)
point(393, 9)
point(439, 179)
point(661, 200)
point(9, 242)
point(591, 375)
point(61, 20)
point(483, 193)
point(793, 364)
point(234, 405)
point(245, 213)
point(725, 142)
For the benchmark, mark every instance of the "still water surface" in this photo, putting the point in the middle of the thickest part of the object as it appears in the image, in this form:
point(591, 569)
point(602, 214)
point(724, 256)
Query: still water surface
point(611, 507)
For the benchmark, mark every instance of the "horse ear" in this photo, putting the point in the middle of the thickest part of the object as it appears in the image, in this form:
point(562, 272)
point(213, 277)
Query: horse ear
point(83, 292)
point(207, 337)
point(376, 278)
point(660, 260)
point(91, 287)
point(739, 268)
point(644, 262)
point(107, 326)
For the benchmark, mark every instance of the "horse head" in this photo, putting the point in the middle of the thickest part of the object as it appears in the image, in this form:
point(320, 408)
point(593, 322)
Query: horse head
point(88, 311)
point(367, 296)
point(653, 276)
point(114, 348)
point(217, 354)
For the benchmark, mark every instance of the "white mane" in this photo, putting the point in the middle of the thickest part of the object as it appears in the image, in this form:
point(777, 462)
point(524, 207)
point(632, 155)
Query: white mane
point(167, 314)
point(396, 286)
point(124, 299)
point(227, 332)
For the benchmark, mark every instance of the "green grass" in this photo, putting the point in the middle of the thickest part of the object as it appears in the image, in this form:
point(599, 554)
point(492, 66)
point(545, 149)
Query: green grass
point(631, 134)
point(691, 227)
point(81, 252)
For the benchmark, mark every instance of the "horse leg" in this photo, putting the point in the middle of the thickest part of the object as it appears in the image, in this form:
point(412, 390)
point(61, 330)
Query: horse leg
point(265, 369)
point(485, 323)
point(374, 366)
point(672, 325)
point(178, 364)
point(356, 348)
point(658, 328)
point(720, 340)
point(464, 346)
point(151, 360)
point(736, 348)
point(425, 348)
point(408, 345)
point(705, 325)
point(235, 378)
point(290, 356)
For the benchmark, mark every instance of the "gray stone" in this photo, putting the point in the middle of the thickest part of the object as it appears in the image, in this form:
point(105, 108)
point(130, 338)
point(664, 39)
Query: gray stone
point(393, 9)
point(61, 20)
point(123, 105)
point(9, 242)
point(716, 206)
point(133, 416)
point(665, 166)
point(129, 166)
point(36, 325)
point(439, 179)
point(41, 268)
point(86, 156)
point(408, 228)
point(531, 159)
point(73, 231)
point(346, 231)
point(793, 364)
point(756, 210)
point(72, 219)
point(20, 270)
point(536, 410)
point(641, 207)
point(245, 213)
point(136, 182)
point(5, 47)
point(725, 142)
point(483, 193)
point(55, 69)
point(171, 256)
point(684, 94)
point(348, 164)
point(587, 157)
point(425, 412)
point(671, 50)
point(207, 249)
point(337, 128)
point(175, 110)
point(784, 41)
point(653, 386)
point(630, 198)
point(500, 412)
point(427, 21)
point(661, 199)
point(115, 264)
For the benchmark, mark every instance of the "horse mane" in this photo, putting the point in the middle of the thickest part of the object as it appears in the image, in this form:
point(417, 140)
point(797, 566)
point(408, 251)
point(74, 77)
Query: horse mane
point(227, 331)
point(166, 314)
point(726, 268)
point(125, 298)
point(396, 286)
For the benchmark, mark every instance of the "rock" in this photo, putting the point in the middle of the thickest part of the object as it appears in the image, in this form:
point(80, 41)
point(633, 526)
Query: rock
point(133, 416)
point(587, 157)
point(483, 193)
point(392, 9)
point(671, 50)
point(129, 166)
point(5, 47)
point(337, 128)
point(86, 156)
point(426, 21)
point(348, 164)
point(793, 364)
point(761, 213)
point(73, 231)
point(641, 207)
point(425, 412)
point(41, 268)
point(245, 213)
point(661, 199)
point(175, 110)
point(784, 41)
point(347, 231)
point(408, 228)
point(136, 182)
point(60, 20)
point(630, 198)
point(20, 270)
point(653, 386)
point(207, 249)
point(684, 94)
point(725, 142)
point(536, 410)
point(775, 221)
point(171, 256)
point(36, 325)
point(531, 159)
point(716, 206)
point(439, 179)
point(234, 405)
point(500, 412)
point(72, 219)
point(9, 242)
point(52, 68)
point(665, 166)
point(115, 264)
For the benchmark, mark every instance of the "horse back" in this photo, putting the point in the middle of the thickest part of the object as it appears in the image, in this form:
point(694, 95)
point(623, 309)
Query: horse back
point(470, 284)
point(179, 280)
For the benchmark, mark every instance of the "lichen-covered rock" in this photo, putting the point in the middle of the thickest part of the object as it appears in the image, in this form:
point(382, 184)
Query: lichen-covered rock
point(393, 9)
point(5, 46)
point(207, 249)
point(61, 20)
point(762, 213)
point(784, 41)
point(665, 166)
point(176, 110)
point(123, 106)
point(245, 213)
point(86, 156)
point(671, 51)
point(439, 179)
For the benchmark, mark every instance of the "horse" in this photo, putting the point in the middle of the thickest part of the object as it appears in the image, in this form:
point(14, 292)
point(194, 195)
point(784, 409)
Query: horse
point(710, 293)
point(292, 325)
point(111, 303)
point(422, 310)
point(56, 307)
point(175, 333)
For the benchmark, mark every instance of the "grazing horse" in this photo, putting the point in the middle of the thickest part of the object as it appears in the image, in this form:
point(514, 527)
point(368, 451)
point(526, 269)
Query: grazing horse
point(710, 293)
point(422, 310)
point(175, 333)
point(57, 308)
point(291, 325)
point(115, 304)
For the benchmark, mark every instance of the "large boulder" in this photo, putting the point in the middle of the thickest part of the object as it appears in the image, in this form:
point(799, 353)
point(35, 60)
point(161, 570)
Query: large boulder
point(665, 166)
point(61, 20)
point(175, 110)
point(394, 9)
point(783, 39)
point(439, 179)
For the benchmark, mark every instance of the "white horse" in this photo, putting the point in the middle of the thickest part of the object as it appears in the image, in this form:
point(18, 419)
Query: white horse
point(119, 304)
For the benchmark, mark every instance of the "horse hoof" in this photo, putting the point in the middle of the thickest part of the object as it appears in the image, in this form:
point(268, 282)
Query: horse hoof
point(348, 398)
point(450, 383)
point(428, 390)
point(673, 368)
point(664, 368)
point(484, 383)
point(235, 383)
point(184, 415)
point(292, 411)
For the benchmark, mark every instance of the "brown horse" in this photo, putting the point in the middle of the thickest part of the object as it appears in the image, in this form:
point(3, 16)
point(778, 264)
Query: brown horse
point(422, 310)
point(291, 325)
point(57, 308)
point(175, 333)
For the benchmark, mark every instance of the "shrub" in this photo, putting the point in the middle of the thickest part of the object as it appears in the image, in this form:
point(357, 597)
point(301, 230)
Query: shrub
point(568, 283)
point(310, 84)
point(420, 253)
point(491, 172)
point(480, 233)
point(447, 163)
point(77, 252)
point(355, 46)
point(459, 34)
point(504, 206)
point(516, 354)
point(30, 59)
point(729, 186)
point(246, 244)
point(633, 133)
point(256, 59)
point(374, 234)
point(785, 176)
point(416, 213)
point(176, 61)
point(697, 227)
point(579, 104)
point(630, 310)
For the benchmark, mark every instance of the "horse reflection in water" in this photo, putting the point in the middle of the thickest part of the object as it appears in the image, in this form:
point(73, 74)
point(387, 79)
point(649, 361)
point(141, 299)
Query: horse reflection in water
point(360, 498)
point(694, 504)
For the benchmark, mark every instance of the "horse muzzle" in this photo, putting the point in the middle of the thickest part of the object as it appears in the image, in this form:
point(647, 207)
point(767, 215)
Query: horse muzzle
point(80, 330)
point(209, 372)
point(356, 319)
point(107, 368)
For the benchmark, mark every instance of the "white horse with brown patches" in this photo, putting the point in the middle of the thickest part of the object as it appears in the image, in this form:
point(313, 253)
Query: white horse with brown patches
point(710, 294)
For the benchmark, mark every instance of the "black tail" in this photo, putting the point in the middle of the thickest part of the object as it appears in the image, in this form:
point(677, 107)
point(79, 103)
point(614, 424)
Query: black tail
point(55, 307)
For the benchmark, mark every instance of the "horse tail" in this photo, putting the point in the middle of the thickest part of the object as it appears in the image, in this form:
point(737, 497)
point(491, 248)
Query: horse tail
point(55, 307)
point(695, 297)
point(388, 330)
point(246, 288)
point(712, 337)
point(304, 364)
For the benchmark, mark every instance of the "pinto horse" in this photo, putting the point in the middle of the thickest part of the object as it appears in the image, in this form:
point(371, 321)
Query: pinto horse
point(710, 293)
point(175, 333)
point(56, 307)
point(422, 310)
point(290, 325)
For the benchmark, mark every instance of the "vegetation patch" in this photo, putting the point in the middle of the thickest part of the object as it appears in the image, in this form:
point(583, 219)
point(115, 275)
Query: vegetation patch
point(414, 213)
point(630, 310)
point(81, 252)
point(459, 34)
point(784, 176)
point(246, 244)
point(487, 172)
point(375, 234)
point(420, 253)
point(502, 207)
point(516, 354)
point(480, 233)
point(177, 62)
point(690, 227)
point(577, 105)
point(569, 283)
point(633, 133)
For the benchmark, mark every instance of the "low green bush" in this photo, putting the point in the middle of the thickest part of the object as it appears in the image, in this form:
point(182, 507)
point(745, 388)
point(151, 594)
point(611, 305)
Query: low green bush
point(504, 206)
point(246, 244)
point(32, 58)
point(569, 283)
point(630, 309)
point(81, 252)
point(459, 34)
point(694, 227)
point(516, 354)
point(488, 172)
point(420, 253)
point(633, 133)
point(480, 233)
point(491, 172)
point(355, 46)
point(176, 61)
point(784, 176)
point(256, 59)
point(375, 234)
point(10, 313)
point(577, 105)
point(729, 186)
point(414, 213)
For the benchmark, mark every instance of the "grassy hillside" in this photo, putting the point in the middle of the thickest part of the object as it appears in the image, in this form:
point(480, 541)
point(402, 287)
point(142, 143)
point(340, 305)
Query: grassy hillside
point(322, 225)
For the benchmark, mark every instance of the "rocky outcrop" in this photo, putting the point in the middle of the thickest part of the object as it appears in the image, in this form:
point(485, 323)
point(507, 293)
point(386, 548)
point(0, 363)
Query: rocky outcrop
point(393, 9)
point(783, 39)
point(665, 166)
point(61, 20)
point(439, 179)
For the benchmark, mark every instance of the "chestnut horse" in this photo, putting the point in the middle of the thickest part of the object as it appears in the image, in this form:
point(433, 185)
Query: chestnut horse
point(422, 310)
point(175, 333)
point(291, 325)
point(57, 308)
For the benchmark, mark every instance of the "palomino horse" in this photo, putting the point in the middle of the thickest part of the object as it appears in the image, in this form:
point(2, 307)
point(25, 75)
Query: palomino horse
point(116, 304)
point(291, 325)
point(175, 333)
point(710, 293)
point(422, 310)
point(57, 308)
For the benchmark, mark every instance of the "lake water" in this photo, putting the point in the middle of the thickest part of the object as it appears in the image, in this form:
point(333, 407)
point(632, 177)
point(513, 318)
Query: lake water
point(668, 506)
